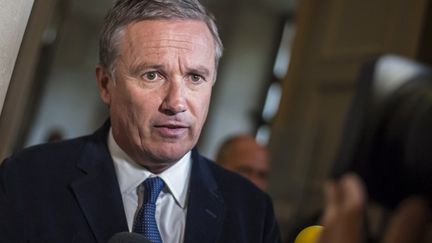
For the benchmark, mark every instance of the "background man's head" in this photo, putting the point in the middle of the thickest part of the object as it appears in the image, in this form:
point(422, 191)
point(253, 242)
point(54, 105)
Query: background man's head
point(243, 154)
point(158, 62)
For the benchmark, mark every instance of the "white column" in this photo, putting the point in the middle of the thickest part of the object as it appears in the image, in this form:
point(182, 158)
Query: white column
point(14, 15)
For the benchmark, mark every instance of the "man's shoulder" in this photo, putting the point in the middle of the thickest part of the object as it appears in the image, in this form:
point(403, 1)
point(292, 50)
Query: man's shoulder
point(47, 154)
point(63, 150)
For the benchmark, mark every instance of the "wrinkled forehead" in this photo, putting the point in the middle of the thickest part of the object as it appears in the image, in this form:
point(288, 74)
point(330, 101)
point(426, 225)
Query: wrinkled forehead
point(191, 34)
point(190, 38)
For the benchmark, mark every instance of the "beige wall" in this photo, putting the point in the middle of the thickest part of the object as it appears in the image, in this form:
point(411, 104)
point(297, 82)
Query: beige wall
point(14, 15)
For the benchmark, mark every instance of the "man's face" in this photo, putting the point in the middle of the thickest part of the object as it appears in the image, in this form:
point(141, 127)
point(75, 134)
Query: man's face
point(249, 159)
point(159, 99)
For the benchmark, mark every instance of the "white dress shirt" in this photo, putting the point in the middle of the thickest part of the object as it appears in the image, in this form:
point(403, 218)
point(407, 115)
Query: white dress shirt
point(171, 205)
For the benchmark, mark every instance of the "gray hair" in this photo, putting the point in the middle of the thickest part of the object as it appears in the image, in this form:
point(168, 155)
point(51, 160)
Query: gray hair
point(125, 12)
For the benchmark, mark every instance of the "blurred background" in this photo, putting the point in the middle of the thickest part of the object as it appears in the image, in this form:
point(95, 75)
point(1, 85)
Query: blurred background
point(287, 77)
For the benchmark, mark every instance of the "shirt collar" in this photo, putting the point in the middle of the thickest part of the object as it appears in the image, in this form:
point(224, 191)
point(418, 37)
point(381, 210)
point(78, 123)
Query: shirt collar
point(130, 174)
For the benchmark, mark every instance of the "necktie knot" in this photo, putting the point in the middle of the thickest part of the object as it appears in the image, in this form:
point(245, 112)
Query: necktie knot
point(152, 187)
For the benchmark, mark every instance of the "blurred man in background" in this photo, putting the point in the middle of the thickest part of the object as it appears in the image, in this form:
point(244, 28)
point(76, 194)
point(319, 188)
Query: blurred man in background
point(244, 155)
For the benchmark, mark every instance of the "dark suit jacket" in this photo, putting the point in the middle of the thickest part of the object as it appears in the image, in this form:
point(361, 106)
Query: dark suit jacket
point(68, 192)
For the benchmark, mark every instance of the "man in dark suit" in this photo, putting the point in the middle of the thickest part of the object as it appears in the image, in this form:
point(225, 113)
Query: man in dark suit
point(140, 171)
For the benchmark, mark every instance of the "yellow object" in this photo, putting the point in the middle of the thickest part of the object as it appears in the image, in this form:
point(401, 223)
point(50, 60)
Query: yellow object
point(309, 234)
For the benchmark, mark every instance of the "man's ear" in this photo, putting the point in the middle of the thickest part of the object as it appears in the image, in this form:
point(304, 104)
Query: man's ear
point(105, 83)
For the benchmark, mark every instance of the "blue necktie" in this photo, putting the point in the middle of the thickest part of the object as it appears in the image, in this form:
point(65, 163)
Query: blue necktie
point(145, 221)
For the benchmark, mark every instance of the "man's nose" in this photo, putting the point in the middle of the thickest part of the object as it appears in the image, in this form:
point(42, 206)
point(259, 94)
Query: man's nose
point(174, 101)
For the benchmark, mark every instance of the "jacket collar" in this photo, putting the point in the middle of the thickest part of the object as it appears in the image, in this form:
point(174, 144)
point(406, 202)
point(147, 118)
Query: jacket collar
point(104, 212)
point(206, 208)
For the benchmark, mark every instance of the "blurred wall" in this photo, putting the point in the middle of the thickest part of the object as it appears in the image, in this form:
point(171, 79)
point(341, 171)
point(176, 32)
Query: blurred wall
point(250, 40)
point(69, 102)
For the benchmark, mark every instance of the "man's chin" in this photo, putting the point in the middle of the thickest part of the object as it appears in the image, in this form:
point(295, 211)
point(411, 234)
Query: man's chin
point(162, 162)
point(171, 152)
point(161, 155)
point(169, 158)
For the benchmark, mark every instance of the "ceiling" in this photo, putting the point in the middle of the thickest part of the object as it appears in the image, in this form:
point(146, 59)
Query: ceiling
point(96, 9)
point(280, 6)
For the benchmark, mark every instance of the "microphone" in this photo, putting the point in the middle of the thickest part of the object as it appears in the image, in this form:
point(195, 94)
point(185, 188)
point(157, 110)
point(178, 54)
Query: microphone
point(128, 237)
point(309, 234)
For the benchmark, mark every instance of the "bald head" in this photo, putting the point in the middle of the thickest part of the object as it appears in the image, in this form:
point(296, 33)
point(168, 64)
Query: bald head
point(242, 154)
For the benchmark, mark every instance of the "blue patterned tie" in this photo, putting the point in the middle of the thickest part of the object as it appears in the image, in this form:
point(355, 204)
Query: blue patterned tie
point(145, 222)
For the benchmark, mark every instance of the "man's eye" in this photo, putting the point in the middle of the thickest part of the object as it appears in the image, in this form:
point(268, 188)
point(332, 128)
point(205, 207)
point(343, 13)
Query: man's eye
point(151, 76)
point(196, 78)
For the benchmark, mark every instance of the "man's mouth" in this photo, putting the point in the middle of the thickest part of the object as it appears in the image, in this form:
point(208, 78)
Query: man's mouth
point(171, 130)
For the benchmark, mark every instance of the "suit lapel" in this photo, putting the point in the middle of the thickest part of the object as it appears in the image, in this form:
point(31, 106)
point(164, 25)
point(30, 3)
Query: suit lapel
point(205, 207)
point(97, 191)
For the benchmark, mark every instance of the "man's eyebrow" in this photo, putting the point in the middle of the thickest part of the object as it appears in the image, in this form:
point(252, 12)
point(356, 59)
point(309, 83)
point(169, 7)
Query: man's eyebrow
point(202, 70)
point(137, 69)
